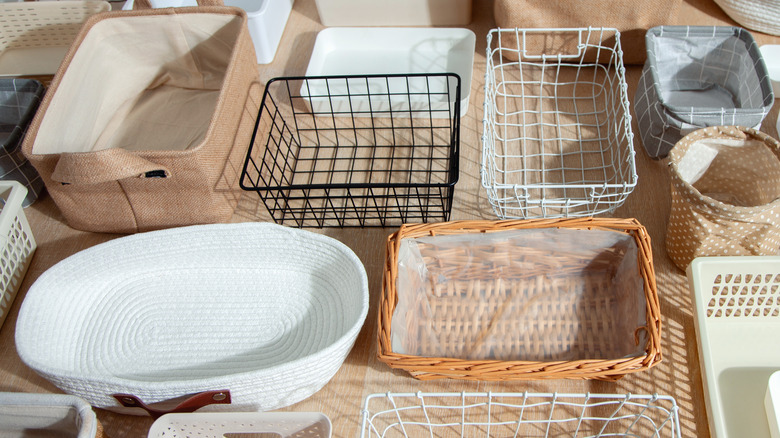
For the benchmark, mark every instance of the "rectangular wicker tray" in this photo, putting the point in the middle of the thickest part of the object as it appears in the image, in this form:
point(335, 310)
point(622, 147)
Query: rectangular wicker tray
point(462, 313)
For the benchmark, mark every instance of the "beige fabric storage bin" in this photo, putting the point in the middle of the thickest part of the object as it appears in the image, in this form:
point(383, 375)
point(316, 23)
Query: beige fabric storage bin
point(146, 121)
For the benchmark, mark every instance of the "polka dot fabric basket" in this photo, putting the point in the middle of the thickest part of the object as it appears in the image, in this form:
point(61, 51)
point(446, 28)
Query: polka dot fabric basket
point(725, 194)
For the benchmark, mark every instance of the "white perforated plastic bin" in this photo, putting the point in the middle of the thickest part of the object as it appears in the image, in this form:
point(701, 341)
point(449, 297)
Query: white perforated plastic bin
point(17, 242)
point(219, 425)
point(737, 318)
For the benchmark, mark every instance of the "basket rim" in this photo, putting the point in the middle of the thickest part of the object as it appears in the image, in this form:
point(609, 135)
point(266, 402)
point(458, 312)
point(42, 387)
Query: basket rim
point(425, 368)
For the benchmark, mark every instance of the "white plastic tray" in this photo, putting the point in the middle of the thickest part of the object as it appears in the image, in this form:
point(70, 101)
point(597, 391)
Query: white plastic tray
point(737, 318)
point(386, 50)
point(772, 404)
point(250, 424)
point(394, 13)
point(771, 55)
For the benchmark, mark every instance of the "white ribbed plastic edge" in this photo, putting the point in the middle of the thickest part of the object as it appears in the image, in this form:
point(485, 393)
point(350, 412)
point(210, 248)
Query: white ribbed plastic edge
point(219, 425)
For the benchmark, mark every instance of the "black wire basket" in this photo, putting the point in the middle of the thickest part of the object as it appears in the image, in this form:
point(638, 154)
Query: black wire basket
point(356, 151)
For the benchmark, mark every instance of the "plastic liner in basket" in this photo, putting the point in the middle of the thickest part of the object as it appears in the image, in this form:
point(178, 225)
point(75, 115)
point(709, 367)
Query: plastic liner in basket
point(699, 76)
point(538, 294)
point(725, 195)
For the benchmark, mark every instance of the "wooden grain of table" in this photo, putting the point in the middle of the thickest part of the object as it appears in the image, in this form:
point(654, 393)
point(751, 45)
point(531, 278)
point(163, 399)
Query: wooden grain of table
point(677, 375)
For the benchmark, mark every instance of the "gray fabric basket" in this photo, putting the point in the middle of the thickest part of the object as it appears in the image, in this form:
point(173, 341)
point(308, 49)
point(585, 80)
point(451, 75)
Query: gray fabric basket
point(19, 99)
point(699, 76)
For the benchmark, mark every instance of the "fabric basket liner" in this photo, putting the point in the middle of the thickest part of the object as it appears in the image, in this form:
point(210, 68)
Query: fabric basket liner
point(144, 123)
point(699, 76)
point(266, 312)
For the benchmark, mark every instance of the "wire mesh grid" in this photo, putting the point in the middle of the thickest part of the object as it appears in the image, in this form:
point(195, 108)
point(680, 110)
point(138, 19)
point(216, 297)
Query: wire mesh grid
point(505, 415)
point(557, 138)
point(356, 151)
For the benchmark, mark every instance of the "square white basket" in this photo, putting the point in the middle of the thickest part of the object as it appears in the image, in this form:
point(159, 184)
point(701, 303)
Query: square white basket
point(17, 242)
point(557, 139)
point(524, 414)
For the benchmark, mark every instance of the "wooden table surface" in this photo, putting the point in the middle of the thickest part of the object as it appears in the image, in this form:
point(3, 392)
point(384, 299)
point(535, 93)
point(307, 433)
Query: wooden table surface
point(677, 375)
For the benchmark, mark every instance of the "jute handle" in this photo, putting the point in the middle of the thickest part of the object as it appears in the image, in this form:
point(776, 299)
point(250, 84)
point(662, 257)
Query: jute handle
point(104, 166)
point(184, 404)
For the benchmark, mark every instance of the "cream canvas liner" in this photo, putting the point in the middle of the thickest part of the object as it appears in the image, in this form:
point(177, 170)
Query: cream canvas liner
point(725, 195)
point(127, 89)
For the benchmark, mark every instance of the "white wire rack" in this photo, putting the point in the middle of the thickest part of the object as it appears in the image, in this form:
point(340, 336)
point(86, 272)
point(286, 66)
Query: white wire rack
point(506, 415)
point(557, 139)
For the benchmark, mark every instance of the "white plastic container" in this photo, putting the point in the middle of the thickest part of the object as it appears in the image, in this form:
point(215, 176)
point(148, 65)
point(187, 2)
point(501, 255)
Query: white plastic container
point(16, 241)
point(220, 425)
point(25, 415)
point(387, 51)
point(737, 318)
point(35, 36)
point(394, 13)
point(771, 55)
point(772, 404)
point(266, 20)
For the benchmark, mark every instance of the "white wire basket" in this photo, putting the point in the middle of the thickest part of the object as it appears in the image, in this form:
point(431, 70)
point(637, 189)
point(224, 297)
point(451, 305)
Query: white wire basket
point(557, 139)
point(525, 414)
point(16, 241)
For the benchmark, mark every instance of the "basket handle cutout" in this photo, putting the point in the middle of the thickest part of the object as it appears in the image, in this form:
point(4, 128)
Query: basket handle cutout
point(104, 166)
point(185, 404)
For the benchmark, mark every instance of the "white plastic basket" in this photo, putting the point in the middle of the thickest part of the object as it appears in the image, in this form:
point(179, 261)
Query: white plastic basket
point(737, 319)
point(17, 242)
point(248, 424)
point(519, 415)
point(26, 415)
point(34, 36)
point(557, 139)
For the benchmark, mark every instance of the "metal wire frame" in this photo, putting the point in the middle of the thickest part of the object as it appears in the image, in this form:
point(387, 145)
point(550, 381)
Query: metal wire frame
point(525, 414)
point(557, 139)
point(358, 150)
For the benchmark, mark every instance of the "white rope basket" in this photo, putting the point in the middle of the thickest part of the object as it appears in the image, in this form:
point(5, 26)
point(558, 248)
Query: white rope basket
point(264, 311)
point(759, 15)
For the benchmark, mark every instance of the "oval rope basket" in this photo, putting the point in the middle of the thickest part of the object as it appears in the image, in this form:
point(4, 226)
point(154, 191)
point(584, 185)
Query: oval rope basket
point(264, 311)
point(759, 15)
point(459, 316)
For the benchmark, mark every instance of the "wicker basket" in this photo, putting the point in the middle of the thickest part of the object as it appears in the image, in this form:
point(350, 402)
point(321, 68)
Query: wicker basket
point(457, 319)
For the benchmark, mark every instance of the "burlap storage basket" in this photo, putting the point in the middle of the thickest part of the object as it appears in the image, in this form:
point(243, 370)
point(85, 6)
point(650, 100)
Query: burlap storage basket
point(145, 120)
point(631, 17)
point(725, 195)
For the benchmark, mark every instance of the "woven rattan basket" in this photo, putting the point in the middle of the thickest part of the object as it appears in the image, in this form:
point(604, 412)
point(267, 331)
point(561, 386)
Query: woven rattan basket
point(453, 321)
